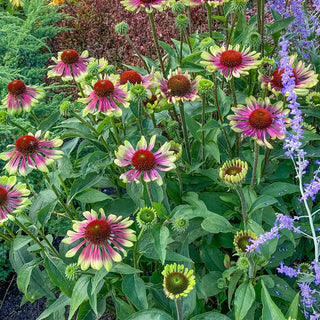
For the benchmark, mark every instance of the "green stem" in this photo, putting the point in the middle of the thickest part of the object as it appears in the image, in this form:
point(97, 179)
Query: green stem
point(178, 308)
point(232, 28)
point(135, 250)
point(203, 124)
point(243, 205)
point(80, 88)
point(235, 103)
point(63, 205)
point(181, 46)
point(9, 231)
point(36, 120)
point(251, 268)
point(180, 181)
point(185, 132)
point(140, 117)
point(262, 28)
point(150, 193)
point(265, 160)
point(255, 164)
point(5, 237)
point(154, 122)
point(155, 39)
point(18, 126)
point(220, 114)
point(137, 52)
point(29, 233)
point(209, 16)
point(115, 130)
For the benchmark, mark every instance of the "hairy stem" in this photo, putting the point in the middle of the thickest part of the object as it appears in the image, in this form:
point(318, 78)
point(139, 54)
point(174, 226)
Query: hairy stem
point(255, 164)
point(185, 132)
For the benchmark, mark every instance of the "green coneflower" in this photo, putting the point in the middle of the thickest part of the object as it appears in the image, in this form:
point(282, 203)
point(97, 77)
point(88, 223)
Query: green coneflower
point(178, 281)
point(243, 263)
point(233, 171)
point(242, 240)
point(146, 217)
point(72, 272)
point(180, 224)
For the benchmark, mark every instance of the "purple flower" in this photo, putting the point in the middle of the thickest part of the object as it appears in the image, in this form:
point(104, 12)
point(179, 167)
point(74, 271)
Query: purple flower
point(288, 271)
point(307, 298)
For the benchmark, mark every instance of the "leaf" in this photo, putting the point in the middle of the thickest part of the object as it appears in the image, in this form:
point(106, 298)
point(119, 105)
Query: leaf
point(216, 224)
point(244, 298)
point(280, 25)
point(279, 189)
point(193, 127)
point(212, 148)
point(123, 309)
point(23, 277)
point(91, 196)
point(79, 294)
point(61, 302)
point(154, 314)
point(209, 283)
point(160, 235)
point(262, 202)
point(210, 316)
point(55, 268)
point(212, 258)
point(294, 307)
point(232, 285)
point(135, 290)
point(270, 309)
point(100, 274)
point(123, 268)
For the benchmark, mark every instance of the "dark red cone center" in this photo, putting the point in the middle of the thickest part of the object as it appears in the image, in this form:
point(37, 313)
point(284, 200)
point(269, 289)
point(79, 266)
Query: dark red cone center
point(179, 85)
point(151, 100)
point(3, 196)
point(147, 1)
point(70, 56)
point(276, 77)
point(260, 119)
point(16, 87)
point(97, 231)
point(103, 88)
point(132, 76)
point(27, 144)
point(143, 160)
point(233, 171)
point(231, 58)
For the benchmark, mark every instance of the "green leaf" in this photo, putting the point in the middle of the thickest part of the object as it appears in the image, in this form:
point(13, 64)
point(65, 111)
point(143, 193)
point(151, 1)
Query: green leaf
point(209, 283)
point(294, 307)
point(79, 294)
point(210, 316)
point(280, 25)
point(212, 258)
point(135, 290)
point(193, 127)
point(91, 196)
point(154, 314)
point(270, 309)
point(60, 303)
point(160, 235)
point(262, 202)
point(123, 309)
point(100, 274)
point(212, 148)
point(123, 268)
point(216, 224)
point(280, 189)
point(24, 276)
point(135, 191)
point(55, 268)
point(244, 298)
point(233, 284)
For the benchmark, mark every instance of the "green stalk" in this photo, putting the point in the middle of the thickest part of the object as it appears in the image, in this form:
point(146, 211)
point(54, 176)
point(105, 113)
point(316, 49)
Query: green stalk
point(178, 308)
point(235, 103)
point(181, 46)
point(209, 16)
point(232, 28)
point(5, 237)
point(255, 164)
point(243, 205)
point(150, 193)
point(203, 124)
point(115, 130)
point(36, 120)
point(185, 132)
point(153, 119)
point(140, 116)
point(180, 181)
point(251, 267)
point(155, 39)
point(18, 126)
point(9, 231)
point(262, 28)
point(135, 250)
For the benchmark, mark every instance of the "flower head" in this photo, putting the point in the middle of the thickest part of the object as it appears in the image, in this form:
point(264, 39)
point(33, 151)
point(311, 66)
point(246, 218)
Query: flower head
point(242, 239)
point(259, 119)
point(72, 272)
point(243, 263)
point(144, 161)
point(13, 196)
point(180, 224)
point(213, 3)
point(205, 87)
point(178, 87)
point(105, 97)
point(17, 3)
point(233, 171)
point(178, 281)
point(231, 62)
point(69, 65)
point(303, 76)
point(31, 151)
point(121, 28)
point(146, 217)
point(102, 239)
point(133, 5)
point(313, 99)
point(206, 43)
point(21, 97)
point(176, 148)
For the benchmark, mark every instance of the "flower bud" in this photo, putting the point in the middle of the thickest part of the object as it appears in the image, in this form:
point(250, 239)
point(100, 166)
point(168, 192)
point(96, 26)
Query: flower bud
point(121, 28)
point(182, 21)
point(205, 87)
point(178, 7)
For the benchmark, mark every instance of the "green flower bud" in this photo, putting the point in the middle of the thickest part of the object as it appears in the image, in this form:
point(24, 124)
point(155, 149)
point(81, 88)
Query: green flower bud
point(205, 87)
point(121, 28)
point(93, 66)
point(72, 272)
point(176, 148)
point(138, 93)
point(146, 217)
point(206, 43)
point(182, 21)
point(180, 224)
point(227, 261)
point(178, 7)
point(3, 116)
point(254, 40)
point(243, 263)
point(110, 69)
point(65, 108)
point(221, 283)
point(239, 5)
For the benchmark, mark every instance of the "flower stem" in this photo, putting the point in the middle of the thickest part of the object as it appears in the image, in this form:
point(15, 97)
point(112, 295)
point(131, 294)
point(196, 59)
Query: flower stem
point(178, 308)
point(155, 39)
point(36, 120)
point(235, 103)
point(235, 15)
point(18, 126)
point(255, 164)
point(9, 231)
point(181, 46)
point(154, 122)
point(5, 237)
point(140, 117)
point(209, 16)
point(262, 27)
point(220, 114)
point(203, 124)
point(115, 130)
point(180, 181)
point(135, 250)
point(243, 205)
point(251, 268)
point(149, 193)
point(185, 132)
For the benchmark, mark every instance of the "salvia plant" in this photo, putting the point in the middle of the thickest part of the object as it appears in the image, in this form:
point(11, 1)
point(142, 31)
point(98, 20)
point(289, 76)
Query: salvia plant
point(182, 187)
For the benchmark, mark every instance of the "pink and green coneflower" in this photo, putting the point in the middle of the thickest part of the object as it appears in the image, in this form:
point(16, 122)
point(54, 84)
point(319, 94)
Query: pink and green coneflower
point(105, 97)
point(231, 62)
point(102, 239)
point(33, 152)
point(70, 65)
point(134, 77)
point(133, 5)
point(21, 97)
point(13, 196)
point(145, 162)
point(259, 120)
point(178, 87)
point(304, 78)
